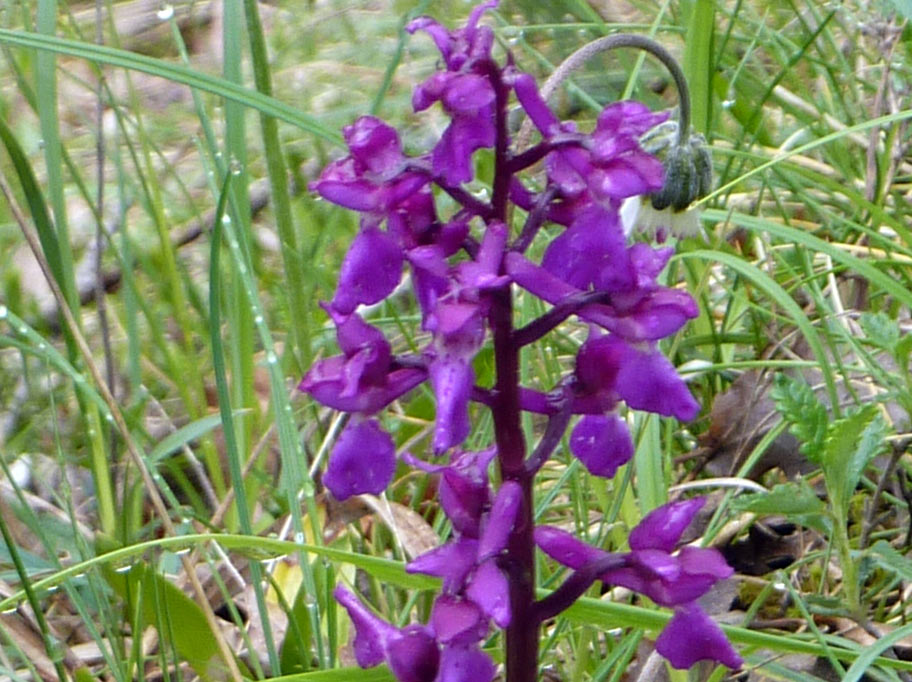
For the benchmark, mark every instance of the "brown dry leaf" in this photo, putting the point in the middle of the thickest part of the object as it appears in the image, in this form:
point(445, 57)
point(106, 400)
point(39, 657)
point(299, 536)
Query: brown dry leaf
point(409, 527)
point(31, 645)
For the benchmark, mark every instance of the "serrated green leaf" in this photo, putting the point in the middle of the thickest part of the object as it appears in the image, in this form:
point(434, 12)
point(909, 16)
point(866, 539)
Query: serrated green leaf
point(850, 445)
point(890, 560)
point(794, 497)
point(881, 330)
point(806, 415)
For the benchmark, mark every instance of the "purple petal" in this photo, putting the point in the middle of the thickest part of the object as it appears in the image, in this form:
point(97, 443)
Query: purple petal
point(465, 664)
point(536, 280)
point(628, 117)
point(648, 381)
point(467, 93)
point(656, 564)
point(327, 382)
point(602, 444)
point(482, 272)
point(452, 379)
point(536, 108)
point(371, 270)
point(374, 144)
point(457, 621)
point(371, 632)
point(569, 170)
point(704, 561)
point(627, 176)
point(464, 493)
point(692, 636)
point(452, 156)
point(565, 548)
point(490, 590)
point(452, 562)
point(599, 363)
point(362, 461)
point(439, 34)
point(500, 520)
point(341, 183)
point(655, 315)
point(413, 654)
point(662, 527)
point(431, 90)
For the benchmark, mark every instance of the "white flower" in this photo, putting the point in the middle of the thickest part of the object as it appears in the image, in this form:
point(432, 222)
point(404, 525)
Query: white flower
point(637, 213)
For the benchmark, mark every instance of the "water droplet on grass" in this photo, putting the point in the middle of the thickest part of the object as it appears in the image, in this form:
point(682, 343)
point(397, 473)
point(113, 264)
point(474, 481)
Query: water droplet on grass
point(165, 13)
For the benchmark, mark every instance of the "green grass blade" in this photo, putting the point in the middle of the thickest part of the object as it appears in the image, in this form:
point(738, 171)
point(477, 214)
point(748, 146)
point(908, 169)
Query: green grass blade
point(102, 54)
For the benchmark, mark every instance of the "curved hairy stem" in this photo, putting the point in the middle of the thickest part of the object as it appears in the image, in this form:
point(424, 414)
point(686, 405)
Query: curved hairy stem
point(589, 50)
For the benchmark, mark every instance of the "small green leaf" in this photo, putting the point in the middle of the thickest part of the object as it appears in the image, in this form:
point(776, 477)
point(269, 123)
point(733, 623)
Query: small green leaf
point(806, 415)
point(850, 445)
point(177, 618)
point(890, 560)
point(794, 497)
point(880, 329)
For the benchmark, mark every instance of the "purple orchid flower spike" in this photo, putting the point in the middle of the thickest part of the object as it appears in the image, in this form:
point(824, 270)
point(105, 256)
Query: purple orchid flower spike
point(463, 268)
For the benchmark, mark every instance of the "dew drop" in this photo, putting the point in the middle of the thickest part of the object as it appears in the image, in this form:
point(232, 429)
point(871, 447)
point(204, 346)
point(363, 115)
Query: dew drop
point(123, 569)
point(226, 219)
point(728, 104)
point(235, 167)
point(166, 12)
point(182, 552)
point(3, 312)
point(271, 358)
point(299, 538)
point(258, 319)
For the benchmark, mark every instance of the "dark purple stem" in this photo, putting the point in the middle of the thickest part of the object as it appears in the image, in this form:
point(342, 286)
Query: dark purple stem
point(575, 587)
point(535, 154)
point(535, 219)
point(523, 631)
point(537, 328)
point(463, 198)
